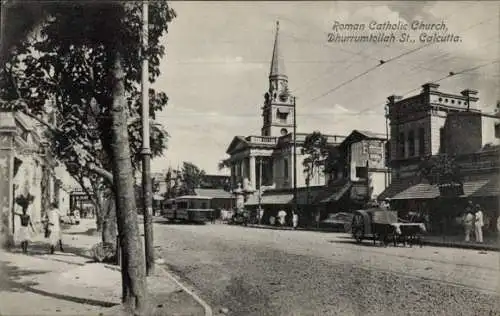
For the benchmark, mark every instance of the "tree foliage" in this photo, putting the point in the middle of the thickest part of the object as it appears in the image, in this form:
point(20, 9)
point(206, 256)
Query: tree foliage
point(440, 170)
point(83, 65)
point(67, 74)
point(192, 177)
point(316, 150)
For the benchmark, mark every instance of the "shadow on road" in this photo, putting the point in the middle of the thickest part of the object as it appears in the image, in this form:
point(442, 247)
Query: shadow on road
point(167, 222)
point(10, 281)
point(367, 243)
point(88, 232)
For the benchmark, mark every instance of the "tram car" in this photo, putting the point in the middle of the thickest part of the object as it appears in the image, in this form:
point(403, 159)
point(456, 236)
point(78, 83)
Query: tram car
point(189, 208)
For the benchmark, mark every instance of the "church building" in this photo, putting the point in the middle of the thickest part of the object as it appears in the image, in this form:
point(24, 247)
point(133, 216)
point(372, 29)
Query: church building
point(267, 160)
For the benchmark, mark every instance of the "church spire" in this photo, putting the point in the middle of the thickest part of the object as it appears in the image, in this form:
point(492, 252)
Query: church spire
point(277, 62)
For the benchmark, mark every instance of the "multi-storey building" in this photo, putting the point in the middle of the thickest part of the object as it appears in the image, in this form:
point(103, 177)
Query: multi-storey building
point(26, 167)
point(449, 126)
point(362, 164)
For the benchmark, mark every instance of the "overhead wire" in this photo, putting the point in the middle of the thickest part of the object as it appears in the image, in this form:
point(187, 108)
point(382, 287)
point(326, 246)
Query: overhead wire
point(357, 54)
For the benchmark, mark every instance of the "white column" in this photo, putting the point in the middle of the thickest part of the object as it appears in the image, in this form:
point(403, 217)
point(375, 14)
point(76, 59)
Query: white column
point(242, 170)
point(252, 172)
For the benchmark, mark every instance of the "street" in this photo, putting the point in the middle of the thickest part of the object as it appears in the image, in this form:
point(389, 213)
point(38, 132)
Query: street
point(253, 271)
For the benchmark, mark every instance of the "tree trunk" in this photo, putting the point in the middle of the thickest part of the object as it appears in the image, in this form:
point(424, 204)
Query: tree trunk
point(134, 292)
point(109, 226)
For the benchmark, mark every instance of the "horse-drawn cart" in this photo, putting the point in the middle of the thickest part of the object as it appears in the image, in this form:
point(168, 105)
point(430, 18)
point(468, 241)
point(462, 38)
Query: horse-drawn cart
point(383, 225)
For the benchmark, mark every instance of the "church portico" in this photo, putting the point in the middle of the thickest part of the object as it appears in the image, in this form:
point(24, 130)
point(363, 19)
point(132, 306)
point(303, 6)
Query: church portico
point(250, 161)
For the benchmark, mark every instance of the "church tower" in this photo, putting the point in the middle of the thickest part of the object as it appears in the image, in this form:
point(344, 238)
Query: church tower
point(279, 104)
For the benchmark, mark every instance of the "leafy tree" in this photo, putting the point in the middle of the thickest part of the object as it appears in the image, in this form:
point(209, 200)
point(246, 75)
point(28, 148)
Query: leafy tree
point(224, 164)
point(440, 169)
point(49, 70)
point(91, 78)
point(192, 177)
point(443, 171)
point(334, 161)
point(315, 150)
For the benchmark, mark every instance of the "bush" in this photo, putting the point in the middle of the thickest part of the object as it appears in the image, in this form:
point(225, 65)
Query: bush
point(104, 252)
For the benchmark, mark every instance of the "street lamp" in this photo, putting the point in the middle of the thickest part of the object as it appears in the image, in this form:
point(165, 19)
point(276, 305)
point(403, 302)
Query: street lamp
point(146, 151)
point(294, 155)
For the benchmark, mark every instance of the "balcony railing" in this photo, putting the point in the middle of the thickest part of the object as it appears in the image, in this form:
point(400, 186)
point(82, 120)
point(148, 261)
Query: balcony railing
point(263, 139)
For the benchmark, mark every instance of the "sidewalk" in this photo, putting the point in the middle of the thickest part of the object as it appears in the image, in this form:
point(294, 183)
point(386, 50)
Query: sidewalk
point(70, 283)
point(490, 244)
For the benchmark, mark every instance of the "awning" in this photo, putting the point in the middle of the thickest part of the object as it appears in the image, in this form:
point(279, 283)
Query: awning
point(276, 199)
point(270, 199)
point(418, 191)
point(486, 185)
point(396, 186)
point(337, 195)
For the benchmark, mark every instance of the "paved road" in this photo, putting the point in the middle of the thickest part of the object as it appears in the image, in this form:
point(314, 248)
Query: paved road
point(268, 272)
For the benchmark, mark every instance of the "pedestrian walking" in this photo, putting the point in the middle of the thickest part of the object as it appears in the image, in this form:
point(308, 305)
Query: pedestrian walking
point(295, 220)
point(54, 232)
point(261, 214)
point(478, 224)
point(24, 232)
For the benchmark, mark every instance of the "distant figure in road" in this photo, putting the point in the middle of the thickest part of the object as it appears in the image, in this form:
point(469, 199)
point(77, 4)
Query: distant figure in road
point(478, 224)
point(24, 233)
point(261, 214)
point(54, 228)
point(295, 220)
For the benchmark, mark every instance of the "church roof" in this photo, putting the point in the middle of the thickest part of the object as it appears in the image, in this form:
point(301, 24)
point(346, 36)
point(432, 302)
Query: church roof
point(277, 61)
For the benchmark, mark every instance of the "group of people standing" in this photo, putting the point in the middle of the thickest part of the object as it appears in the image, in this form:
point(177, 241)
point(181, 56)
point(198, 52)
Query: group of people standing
point(282, 214)
point(473, 222)
point(51, 228)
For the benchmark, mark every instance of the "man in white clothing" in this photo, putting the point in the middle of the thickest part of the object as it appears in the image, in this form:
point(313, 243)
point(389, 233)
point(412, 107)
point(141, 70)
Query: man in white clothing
point(468, 220)
point(479, 223)
point(295, 220)
point(54, 227)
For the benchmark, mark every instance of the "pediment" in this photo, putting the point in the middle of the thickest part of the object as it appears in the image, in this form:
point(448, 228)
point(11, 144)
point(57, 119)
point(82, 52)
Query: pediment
point(237, 144)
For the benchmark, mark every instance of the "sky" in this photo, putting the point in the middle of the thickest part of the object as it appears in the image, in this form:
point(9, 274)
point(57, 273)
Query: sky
point(216, 68)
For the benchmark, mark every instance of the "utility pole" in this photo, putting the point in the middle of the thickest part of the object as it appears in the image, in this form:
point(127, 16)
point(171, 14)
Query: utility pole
point(295, 155)
point(387, 145)
point(260, 182)
point(146, 150)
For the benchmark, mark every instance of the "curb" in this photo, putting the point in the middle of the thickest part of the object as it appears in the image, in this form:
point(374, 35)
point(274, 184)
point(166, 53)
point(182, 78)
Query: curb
point(206, 307)
point(322, 230)
point(425, 242)
point(462, 246)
